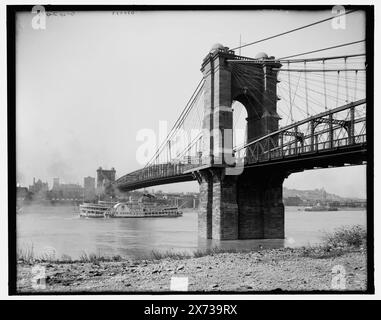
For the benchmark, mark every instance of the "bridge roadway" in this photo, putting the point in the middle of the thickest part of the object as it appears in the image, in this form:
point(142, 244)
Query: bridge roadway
point(295, 160)
point(308, 150)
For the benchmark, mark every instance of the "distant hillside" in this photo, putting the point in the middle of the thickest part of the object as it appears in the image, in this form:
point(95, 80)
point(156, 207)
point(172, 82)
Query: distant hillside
point(317, 194)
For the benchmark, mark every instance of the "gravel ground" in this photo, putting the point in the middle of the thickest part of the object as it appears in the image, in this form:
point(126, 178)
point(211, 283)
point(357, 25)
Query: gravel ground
point(277, 269)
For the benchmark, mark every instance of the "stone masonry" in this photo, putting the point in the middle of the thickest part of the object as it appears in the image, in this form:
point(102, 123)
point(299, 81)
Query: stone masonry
point(248, 205)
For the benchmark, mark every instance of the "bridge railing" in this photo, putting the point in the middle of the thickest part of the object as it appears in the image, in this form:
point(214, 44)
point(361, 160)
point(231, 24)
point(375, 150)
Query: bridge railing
point(160, 171)
point(341, 127)
point(335, 129)
point(278, 153)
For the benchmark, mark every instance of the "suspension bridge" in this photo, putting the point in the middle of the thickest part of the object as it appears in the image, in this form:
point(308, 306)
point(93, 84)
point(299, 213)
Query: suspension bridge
point(299, 113)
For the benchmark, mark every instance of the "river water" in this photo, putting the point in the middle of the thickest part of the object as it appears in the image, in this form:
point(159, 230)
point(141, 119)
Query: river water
point(58, 230)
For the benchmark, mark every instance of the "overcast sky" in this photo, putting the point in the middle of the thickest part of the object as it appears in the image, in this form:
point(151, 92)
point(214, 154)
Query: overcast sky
point(90, 81)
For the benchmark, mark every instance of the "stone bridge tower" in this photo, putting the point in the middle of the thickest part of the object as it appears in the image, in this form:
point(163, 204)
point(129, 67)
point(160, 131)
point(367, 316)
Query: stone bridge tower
point(246, 204)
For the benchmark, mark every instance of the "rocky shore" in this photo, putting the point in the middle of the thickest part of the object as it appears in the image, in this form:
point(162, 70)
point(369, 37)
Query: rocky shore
point(266, 270)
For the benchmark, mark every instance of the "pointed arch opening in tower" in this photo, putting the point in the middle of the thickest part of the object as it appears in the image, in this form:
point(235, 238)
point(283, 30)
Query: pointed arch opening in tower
point(239, 124)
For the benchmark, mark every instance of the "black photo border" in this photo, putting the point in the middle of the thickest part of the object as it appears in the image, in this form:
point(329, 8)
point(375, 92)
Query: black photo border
point(11, 12)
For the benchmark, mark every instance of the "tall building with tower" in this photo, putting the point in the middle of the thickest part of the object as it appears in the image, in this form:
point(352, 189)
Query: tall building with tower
point(105, 178)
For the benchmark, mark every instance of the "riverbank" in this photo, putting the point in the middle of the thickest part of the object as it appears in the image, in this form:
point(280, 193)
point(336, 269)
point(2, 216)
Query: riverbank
point(286, 269)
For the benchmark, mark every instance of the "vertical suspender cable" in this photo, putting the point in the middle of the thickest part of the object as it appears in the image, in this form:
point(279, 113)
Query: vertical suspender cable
point(169, 150)
point(289, 91)
point(306, 90)
point(355, 93)
point(337, 88)
point(346, 81)
point(325, 89)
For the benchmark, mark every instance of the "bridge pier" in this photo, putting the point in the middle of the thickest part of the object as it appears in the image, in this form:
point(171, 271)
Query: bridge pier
point(225, 207)
point(260, 204)
point(248, 206)
point(218, 209)
point(245, 206)
point(205, 205)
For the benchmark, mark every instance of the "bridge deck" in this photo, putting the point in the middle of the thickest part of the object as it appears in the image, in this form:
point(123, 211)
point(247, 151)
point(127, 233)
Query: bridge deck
point(296, 160)
point(337, 142)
